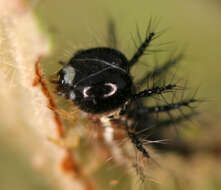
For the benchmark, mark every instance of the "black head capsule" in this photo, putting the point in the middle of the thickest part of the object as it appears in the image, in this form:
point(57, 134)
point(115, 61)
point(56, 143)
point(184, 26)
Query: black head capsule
point(97, 80)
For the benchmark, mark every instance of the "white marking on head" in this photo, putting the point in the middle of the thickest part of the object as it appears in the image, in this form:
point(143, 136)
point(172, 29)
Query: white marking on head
point(69, 74)
point(72, 95)
point(85, 91)
point(113, 89)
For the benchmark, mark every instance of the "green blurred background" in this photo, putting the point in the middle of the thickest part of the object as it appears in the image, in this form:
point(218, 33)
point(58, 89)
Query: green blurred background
point(195, 25)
